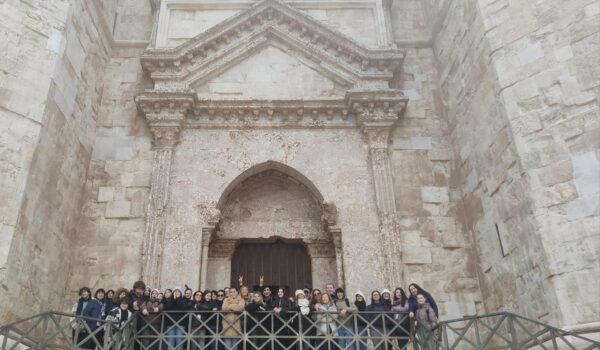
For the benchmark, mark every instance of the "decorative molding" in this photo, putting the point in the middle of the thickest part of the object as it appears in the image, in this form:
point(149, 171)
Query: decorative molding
point(271, 22)
point(222, 248)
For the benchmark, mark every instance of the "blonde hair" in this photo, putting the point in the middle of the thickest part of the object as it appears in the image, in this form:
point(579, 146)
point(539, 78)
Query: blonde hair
point(328, 298)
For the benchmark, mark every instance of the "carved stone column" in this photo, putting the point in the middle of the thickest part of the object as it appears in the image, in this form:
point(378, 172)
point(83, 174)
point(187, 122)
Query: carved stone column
point(336, 235)
point(208, 232)
point(165, 119)
point(377, 112)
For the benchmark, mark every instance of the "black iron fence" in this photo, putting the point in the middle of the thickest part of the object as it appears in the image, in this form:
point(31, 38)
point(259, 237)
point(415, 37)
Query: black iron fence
point(285, 331)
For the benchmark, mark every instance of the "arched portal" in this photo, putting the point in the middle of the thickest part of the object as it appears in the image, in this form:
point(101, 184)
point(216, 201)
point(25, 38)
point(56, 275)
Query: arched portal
point(266, 204)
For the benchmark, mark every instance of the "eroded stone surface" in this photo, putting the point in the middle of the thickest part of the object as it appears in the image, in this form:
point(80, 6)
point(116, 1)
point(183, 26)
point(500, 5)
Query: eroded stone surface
point(499, 139)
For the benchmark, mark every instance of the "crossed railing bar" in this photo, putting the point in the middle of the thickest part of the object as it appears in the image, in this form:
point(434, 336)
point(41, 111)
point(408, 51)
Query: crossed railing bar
point(504, 330)
point(215, 330)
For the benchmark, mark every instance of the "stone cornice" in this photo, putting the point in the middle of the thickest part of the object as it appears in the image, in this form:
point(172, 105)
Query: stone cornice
point(271, 21)
point(370, 110)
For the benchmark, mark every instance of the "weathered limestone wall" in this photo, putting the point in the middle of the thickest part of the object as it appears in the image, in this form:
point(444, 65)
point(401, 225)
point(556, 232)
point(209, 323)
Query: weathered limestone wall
point(549, 82)
point(52, 69)
point(113, 217)
point(520, 91)
point(437, 251)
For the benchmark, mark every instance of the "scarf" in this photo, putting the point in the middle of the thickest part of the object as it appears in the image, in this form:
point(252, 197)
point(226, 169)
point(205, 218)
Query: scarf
point(303, 304)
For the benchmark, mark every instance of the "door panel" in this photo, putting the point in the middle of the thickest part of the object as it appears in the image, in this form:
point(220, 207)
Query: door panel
point(282, 264)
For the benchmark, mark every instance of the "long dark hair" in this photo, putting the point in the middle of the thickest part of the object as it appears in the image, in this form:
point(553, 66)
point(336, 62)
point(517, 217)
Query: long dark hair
point(403, 298)
point(419, 290)
point(341, 290)
point(380, 296)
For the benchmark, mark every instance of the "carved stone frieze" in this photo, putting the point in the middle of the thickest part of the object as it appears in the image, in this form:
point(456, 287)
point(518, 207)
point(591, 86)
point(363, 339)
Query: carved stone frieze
point(271, 22)
point(222, 248)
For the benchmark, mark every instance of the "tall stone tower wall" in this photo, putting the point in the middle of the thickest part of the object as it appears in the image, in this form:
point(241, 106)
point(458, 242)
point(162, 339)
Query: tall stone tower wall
point(494, 162)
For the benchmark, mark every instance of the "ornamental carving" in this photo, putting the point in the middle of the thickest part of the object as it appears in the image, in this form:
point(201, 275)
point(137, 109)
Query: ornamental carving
point(222, 248)
point(270, 22)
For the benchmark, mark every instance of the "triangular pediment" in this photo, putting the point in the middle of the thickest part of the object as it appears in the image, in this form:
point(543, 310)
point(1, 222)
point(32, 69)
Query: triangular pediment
point(271, 73)
point(271, 23)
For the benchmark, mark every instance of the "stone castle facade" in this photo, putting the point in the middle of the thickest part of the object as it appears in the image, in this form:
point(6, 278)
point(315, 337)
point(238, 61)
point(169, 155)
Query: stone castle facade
point(452, 143)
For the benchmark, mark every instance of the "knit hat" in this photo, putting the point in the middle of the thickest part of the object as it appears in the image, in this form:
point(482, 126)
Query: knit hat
point(178, 288)
point(298, 292)
point(385, 290)
point(358, 292)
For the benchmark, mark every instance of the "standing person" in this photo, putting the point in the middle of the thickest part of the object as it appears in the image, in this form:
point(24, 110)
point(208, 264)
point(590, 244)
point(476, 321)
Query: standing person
point(315, 296)
point(198, 330)
point(267, 297)
point(255, 323)
point(147, 294)
point(119, 315)
point(426, 315)
point(207, 308)
point(187, 294)
point(401, 307)
point(232, 306)
point(281, 306)
point(80, 332)
point(414, 290)
point(167, 295)
point(220, 297)
point(226, 290)
point(386, 297)
point(137, 296)
point(151, 321)
point(361, 320)
point(345, 316)
point(377, 310)
point(244, 293)
point(302, 322)
point(100, 300)
point(325, 316)
point(330, 289)
point(109, 302)
point(175, 308)
point(121, 293)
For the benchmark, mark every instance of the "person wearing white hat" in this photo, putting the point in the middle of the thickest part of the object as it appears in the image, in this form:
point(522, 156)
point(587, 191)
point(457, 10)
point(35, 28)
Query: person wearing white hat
point(305, 309)
point(361, 322)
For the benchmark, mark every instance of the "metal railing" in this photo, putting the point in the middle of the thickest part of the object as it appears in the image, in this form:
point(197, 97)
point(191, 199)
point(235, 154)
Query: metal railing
point(502, 330)
point(286, 331)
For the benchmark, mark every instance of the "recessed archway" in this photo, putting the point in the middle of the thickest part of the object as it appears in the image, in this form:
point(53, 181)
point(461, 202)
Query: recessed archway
point(268, 202)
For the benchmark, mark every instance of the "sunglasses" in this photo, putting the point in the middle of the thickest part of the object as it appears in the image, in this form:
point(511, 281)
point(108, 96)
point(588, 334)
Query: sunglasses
point(220, 295)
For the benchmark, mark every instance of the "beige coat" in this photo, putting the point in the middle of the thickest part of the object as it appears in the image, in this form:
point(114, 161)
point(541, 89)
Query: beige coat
point(231, 308)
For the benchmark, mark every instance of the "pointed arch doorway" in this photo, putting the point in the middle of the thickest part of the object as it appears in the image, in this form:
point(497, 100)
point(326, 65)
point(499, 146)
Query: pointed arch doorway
point(283, 263)
point(273, 221)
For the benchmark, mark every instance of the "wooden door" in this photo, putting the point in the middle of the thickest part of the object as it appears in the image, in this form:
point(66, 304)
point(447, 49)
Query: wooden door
point(283, 264)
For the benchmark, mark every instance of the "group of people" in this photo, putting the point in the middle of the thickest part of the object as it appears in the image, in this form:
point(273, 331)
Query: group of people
point(312, 312)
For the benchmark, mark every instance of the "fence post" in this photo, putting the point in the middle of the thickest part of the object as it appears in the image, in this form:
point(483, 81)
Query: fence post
point(513, 334)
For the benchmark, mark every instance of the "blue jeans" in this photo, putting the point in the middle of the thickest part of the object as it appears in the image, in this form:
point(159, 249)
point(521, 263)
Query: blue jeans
point(175, 337)
point(231, 343)
point(363, 336)
point(345, 338)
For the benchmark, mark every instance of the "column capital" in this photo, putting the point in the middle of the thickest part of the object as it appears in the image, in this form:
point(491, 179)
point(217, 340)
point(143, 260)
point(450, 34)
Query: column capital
point(379, 109)
point(165, 114)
